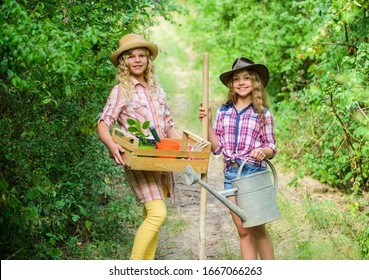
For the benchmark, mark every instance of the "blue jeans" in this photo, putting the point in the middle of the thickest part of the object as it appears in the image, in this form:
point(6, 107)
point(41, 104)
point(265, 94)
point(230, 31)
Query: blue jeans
point(231, 173)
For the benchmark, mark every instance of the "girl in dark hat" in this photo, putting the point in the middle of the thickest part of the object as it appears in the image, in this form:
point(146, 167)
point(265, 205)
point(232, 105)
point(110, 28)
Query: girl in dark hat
point(244, 128)
point(138, 96)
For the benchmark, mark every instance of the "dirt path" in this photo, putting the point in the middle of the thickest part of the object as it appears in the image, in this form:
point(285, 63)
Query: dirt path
point(219, 227)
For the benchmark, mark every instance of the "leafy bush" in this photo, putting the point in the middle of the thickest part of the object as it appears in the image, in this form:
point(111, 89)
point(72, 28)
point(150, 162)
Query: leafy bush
point(55, 77)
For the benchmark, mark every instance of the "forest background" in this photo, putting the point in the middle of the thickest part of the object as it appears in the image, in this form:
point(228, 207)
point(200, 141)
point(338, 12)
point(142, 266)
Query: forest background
point(57, 182)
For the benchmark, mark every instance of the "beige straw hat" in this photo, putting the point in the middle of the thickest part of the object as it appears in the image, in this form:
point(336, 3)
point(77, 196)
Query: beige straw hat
point(133, 41)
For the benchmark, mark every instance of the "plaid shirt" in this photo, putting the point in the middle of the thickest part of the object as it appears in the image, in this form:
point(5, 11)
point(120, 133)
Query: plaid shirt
point(147, 185)
point(142, 107)
point(239, 133)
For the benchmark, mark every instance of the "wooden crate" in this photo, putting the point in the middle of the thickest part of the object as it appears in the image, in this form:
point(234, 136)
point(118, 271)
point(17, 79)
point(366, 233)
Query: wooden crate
point(149, 159)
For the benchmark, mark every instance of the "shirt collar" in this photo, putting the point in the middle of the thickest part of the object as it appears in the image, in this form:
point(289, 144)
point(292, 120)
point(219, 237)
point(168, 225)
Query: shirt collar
point(135, 82)
point(244, 109)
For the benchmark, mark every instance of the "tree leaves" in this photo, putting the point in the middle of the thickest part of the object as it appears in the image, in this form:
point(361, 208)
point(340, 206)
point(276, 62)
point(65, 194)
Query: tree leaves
point(55, 75)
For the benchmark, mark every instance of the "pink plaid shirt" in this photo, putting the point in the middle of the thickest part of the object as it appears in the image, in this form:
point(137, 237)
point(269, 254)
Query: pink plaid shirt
point(142, 107)
point(147, 185)
point(239, 133)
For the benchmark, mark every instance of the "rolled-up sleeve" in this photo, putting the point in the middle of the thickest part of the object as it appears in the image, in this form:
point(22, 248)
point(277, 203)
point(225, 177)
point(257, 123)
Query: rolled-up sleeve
point(113, 107)
point(168, 119)
point(219, 132)
point(267, 134)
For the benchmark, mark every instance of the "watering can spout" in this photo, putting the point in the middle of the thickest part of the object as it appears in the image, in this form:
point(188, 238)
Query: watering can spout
point(192, 178)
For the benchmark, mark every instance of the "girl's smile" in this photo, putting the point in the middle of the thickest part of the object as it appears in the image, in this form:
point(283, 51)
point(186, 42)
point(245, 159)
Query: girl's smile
point(242, 84)
point(137, 63)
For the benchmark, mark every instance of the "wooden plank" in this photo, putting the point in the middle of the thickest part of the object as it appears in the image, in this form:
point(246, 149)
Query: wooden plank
point(170, 165)
point(173, 153)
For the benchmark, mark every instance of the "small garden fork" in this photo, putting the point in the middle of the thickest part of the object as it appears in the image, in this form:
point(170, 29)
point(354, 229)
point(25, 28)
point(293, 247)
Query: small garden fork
point(198, 146)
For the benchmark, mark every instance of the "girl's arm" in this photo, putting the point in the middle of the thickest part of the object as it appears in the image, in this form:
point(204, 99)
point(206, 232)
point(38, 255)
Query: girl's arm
point(172, 133)
point(262, 153)
point(269, 144)
point(212, 138)
point(114, 148)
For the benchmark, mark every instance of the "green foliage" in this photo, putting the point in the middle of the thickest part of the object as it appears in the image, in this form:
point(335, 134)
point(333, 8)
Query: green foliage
point(363, 240)
point(341, 227)
point(317, 53)
point(54, 172)
point(319, 228)
point(138, 129)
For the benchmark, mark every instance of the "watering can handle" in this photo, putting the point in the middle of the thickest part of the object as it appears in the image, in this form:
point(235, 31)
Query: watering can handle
point(271, 167)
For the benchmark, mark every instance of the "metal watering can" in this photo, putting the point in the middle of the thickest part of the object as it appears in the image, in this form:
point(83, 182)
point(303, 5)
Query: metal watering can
point(255, 195)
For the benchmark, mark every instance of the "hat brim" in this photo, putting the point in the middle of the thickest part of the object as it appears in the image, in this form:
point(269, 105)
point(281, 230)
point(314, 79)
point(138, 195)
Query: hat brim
point(153, 49)
point(261, 69)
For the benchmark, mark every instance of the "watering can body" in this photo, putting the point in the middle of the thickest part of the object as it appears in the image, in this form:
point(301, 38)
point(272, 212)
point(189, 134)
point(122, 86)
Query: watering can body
point(255, 194)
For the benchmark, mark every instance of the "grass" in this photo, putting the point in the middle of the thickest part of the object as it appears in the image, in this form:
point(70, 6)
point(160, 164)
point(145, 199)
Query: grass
point(314, 230)
point(172, 228)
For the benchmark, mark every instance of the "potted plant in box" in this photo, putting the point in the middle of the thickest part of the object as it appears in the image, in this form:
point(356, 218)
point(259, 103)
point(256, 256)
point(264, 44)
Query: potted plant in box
point(138, 129)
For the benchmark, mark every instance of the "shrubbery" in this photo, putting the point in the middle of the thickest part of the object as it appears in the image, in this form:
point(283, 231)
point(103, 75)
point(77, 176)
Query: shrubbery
point(55, 175)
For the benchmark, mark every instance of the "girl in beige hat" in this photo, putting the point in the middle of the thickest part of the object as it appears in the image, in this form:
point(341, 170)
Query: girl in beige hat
point(139, 96)
point(244, 129)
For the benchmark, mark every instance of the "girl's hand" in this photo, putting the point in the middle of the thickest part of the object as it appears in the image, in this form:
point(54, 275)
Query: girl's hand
point(203, 113)
point(258, 154)
point(116, 151)
point(212, 138)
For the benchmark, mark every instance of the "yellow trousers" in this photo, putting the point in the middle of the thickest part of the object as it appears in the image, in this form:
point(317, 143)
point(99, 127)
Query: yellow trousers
point(154, 214)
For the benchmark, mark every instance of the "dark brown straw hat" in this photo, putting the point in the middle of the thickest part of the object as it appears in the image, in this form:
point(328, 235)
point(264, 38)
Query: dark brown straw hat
point(133, 41)
point(243, 63)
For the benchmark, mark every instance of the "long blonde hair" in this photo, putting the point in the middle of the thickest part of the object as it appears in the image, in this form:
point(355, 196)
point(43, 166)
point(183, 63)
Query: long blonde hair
point(260, 99)
point(124, 75)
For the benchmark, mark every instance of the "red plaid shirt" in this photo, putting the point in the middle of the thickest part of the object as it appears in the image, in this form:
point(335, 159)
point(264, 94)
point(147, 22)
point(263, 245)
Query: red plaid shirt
point(239, 133)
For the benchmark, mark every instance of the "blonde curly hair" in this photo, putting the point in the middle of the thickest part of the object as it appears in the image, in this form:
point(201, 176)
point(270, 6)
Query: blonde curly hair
point(123, 76)
point(260, 98)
